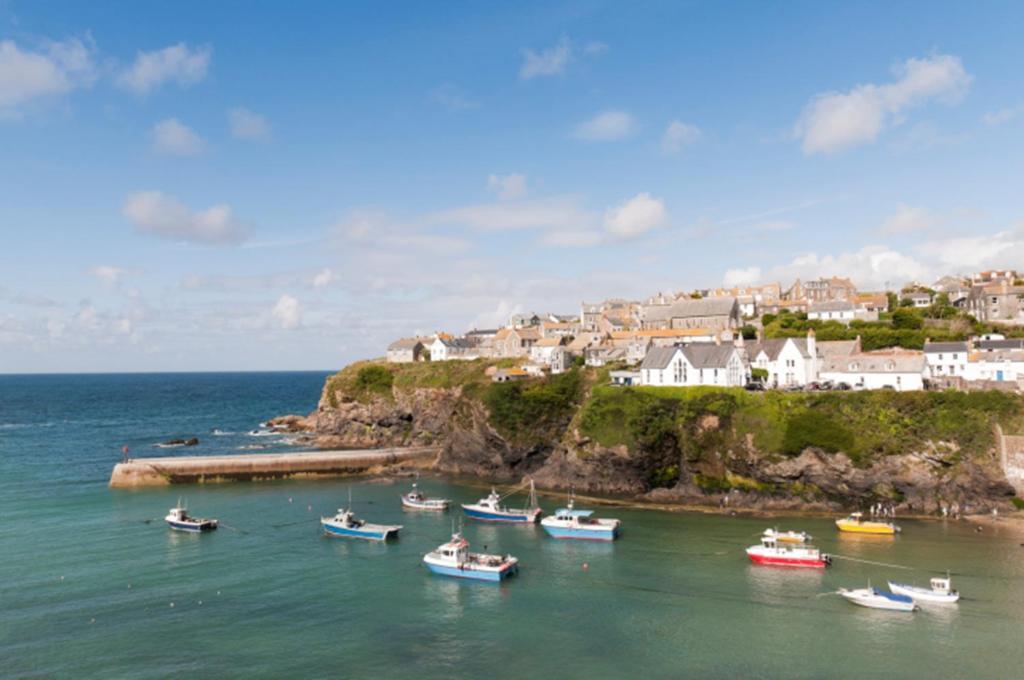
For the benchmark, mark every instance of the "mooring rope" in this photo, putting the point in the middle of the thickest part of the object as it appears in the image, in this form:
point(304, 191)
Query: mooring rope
point(879, 564)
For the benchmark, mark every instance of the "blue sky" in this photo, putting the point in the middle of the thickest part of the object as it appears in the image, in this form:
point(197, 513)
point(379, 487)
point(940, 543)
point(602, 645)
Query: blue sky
point(220, 186)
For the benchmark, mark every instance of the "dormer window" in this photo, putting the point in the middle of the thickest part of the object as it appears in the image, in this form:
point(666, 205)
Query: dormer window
point(890, 365)
point(854, 366)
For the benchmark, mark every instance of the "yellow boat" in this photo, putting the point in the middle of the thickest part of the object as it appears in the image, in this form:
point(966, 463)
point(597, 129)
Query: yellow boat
point(856, 524)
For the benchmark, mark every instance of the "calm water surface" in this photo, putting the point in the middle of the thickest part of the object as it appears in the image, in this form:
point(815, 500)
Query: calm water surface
point(92, 584)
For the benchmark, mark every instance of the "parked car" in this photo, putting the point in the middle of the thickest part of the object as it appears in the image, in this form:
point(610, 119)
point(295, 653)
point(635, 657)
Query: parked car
point(754, 386)
point(844, 387)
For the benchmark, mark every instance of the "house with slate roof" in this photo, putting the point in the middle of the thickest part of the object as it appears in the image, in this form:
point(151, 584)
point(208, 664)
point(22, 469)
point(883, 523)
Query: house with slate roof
point(896, 368)
point(722, 365)
point(714, 314)
point(946, 359)
point(788, 361)
point(405, 351)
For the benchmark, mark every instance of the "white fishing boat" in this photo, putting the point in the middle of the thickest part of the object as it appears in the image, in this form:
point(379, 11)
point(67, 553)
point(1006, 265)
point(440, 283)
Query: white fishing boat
point(490, 509)
point(940, 592)
point(879, 599)
point(417, 500)
point(178, 519)
point(787, 536)
point(568, 522)
point(454, 559)
point(346, 525)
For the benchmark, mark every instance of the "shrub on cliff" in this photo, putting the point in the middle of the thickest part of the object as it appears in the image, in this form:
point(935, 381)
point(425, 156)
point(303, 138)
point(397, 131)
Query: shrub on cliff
point(817, 429)
point(373, 380)
point(534, 412)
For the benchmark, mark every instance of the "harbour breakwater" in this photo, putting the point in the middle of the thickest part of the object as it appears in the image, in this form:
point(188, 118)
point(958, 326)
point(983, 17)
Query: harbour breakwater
point(919, 452)
point(144, 472)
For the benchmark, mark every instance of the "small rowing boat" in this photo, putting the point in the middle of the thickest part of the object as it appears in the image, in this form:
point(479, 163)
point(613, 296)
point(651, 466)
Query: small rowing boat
point(856, 523)
point(940, 592)
point(771, 552)
point(788, 536)
point(454, 559)
point(490, 509)
point(879, 599)
point(179, 520)
point(417, 500)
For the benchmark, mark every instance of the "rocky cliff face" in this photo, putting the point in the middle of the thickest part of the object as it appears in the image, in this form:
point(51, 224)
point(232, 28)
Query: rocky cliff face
point(916, 481)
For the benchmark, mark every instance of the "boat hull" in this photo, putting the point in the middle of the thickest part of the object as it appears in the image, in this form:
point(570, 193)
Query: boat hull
point(429, 506)
point(494, 576)
point(582, 534)
point(893, 603)
point(778, 561)
point(192, 528)
point(866, 528)
point(373, 534)
point(504, 517)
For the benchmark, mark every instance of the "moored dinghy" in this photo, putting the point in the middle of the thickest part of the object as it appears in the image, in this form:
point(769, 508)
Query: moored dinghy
point(568, 522)
point(490, 509)
point(417, 500)
point(454, 559)
point(940, 592)
point(879, 599)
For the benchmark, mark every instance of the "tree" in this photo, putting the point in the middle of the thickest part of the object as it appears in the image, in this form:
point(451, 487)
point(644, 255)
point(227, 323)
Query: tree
point(907, 319)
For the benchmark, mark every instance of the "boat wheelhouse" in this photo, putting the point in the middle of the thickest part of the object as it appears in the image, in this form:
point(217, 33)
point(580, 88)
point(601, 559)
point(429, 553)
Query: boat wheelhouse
point(346, 525)
point(940, 592)
point(454, 559)
point(773, 553)
point(490, 509)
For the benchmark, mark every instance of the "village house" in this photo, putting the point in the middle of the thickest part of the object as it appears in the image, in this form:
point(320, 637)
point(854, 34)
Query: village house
point(917, 299)
point(612, 314)
point(695, 364)
point(1008, 276)
point(751, 299)
point(715, 314)
point(404, 351)
point(448, 348)
point(788, 361)
point(842, 311)
point(957, 289)
point(624, 378)
point(946, 359)
point(871, 302)
point(509, 374)
point(543, 350)
point(604, 354)
point(896, 368)
point(997, 303)
point(557, 329)
point(822, 290)
point(515, 342)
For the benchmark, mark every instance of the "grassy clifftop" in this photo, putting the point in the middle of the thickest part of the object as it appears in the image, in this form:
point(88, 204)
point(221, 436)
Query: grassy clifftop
point(693, 422)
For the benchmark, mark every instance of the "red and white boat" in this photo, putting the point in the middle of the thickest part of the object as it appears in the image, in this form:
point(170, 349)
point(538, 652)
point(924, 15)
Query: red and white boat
point(772, 552)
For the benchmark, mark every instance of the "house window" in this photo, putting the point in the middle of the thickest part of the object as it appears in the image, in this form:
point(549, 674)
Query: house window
point(954, 357)
point(940, 357)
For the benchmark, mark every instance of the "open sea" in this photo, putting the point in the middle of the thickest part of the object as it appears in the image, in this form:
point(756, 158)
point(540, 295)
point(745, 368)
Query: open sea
point(94, 585)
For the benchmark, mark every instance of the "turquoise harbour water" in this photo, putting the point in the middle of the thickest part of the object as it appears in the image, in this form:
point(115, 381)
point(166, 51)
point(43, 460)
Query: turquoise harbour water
point(88, 575)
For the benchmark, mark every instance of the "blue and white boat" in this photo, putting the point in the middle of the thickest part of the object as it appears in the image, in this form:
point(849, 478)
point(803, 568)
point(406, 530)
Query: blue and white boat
point(346, 525)
point(568, 522)
point(178, 519)
point(417, 500)
point(490, 509)
point(454, 559)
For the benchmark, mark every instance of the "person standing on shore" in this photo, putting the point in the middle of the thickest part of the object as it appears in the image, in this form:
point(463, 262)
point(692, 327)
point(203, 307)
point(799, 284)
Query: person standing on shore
point(124, 454)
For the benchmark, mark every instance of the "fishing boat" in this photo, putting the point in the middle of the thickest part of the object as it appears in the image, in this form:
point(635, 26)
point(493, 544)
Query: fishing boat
point(879, 599)
point(941, 591)
point(178, 519)
point(568, 522)
point(856, 523)
point(788, 536)
point(346, 525)
point(454, 559)
point(417, 500)
point(772, 552)
point(490, 509)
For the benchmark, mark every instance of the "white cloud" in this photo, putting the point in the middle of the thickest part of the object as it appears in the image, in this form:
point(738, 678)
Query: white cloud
point(606, 126)
point(108, 274)
point(377, 230)
point(52, 70)
point(246, 124)
point(507, 187)
point(835, 121)
point(559, 212)
point(173, 137)
point(548, 62)
point(288, 312)
point(635, 217)
point(177, 63)
point(1004, 115)
point(155, 213)
point(742, 277)
point(908, 218)
point(870, 267)
point(595, 48)
point(1002, 250)
point(677, 135)
point(323, 278)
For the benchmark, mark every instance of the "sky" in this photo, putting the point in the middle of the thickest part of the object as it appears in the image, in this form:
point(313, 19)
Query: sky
point(279, 186)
